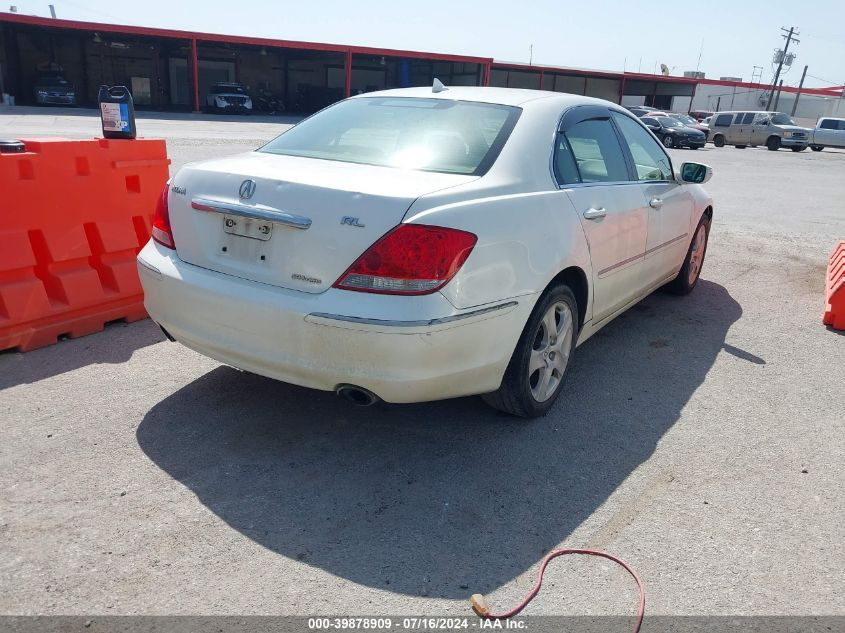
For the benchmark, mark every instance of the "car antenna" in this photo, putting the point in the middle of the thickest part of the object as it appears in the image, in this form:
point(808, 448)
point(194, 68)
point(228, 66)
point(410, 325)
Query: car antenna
point(438, 86)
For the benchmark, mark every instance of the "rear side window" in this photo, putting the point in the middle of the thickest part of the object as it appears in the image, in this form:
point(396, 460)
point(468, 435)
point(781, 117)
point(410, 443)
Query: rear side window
point(723, 120)
point(596, 152)
point(459, 137)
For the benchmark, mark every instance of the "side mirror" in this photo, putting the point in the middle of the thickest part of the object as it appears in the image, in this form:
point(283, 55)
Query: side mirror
point(695, 173)
point(763, 122)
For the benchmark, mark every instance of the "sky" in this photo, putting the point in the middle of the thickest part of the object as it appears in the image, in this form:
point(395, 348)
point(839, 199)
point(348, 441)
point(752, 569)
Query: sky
point(731, 37)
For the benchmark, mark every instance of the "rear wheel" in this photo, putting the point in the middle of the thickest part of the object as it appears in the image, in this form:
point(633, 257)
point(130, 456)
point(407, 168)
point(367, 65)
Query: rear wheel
point(719, 140)
point(668, 141)
point(817, 148)
point(535, 374)
point(741, 146)
point(773, 143)
point(800, 148)
point(691, 270)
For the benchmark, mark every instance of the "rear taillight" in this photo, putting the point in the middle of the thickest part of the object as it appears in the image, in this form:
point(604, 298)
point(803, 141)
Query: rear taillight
point(161, 221)
point(412, 259)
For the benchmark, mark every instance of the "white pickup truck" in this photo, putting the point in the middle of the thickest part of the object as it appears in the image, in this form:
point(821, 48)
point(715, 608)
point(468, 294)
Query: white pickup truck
point(829, 132)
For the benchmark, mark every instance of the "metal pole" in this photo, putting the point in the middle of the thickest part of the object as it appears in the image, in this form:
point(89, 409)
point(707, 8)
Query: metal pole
point(52, 11)
point(780, 65)
point(347, 83)
point(777, 97)
point(798, 94)
point(196, 73)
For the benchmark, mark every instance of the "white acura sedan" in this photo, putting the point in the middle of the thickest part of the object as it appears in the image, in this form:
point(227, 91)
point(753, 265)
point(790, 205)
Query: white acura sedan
point(426, 243)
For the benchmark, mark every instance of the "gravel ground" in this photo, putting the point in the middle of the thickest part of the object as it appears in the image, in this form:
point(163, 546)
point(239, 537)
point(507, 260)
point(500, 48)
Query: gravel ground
point(701, 439)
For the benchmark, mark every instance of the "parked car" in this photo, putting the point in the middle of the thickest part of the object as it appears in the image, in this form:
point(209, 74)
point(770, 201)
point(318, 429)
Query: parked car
point(700, 115)
point(641, 110)
point(693, 123)
point(772, 129)
point(228, 97)
point(426, 244)
point(829, 132)
point(54, 91)
point(673, 133)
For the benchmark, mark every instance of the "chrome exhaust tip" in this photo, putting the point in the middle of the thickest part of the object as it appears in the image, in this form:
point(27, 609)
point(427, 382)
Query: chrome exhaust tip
point(357, 395)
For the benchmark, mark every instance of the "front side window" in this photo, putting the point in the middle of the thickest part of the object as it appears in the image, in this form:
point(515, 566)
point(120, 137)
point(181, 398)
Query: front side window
point(723, 120)
point(829, 124)
point(459, 137)
point(596, 151)
point(650, 161)
point(779, 118)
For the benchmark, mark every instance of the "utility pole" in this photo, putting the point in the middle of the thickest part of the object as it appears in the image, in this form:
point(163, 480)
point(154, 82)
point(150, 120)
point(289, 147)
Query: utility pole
point(777, 98)
point(531, 55)
point(798, 94)
point(789, 37)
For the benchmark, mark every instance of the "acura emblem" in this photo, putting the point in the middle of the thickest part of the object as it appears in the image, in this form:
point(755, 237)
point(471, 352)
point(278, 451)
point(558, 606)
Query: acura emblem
point(246, 189)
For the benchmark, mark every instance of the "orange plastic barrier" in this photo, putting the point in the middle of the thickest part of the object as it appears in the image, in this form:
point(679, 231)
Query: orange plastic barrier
point(834, 294)
point(73, 215)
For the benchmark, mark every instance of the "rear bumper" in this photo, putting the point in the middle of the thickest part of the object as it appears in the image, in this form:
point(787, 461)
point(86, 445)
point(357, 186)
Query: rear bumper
point(335, 337)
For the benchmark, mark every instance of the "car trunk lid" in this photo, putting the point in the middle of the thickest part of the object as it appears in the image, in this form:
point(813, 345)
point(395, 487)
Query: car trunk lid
point(289, 221)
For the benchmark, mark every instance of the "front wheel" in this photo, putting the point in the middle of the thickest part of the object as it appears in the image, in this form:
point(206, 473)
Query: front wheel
point(535, 374)
point(719, 140)
point(773, 144)
point(817, 148)
point(691, 270)
point(668, 141)
point(800, 148)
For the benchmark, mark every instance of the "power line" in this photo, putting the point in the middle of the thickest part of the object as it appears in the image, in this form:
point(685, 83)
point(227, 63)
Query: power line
point(827, 81)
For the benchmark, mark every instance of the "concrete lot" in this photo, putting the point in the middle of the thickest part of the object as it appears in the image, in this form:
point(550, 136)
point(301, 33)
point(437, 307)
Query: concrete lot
point(701, 439)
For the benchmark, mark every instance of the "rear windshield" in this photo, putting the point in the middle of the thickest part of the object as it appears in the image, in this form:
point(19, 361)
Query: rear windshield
point(460, 137)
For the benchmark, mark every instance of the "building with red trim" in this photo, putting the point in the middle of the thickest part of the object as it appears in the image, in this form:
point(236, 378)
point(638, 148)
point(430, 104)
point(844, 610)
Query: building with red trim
point(173, 70)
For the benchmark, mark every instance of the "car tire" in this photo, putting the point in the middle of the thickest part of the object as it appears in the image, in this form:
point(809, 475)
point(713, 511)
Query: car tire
point(741, 146)
point(668, 141)
point(798, 149)
point(817, 148)
point(719, 140)
point(539, 364)
point(773, 143)
point(690, 272)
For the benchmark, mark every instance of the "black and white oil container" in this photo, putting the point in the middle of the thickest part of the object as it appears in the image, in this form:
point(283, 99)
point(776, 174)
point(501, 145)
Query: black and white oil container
point(117, 112)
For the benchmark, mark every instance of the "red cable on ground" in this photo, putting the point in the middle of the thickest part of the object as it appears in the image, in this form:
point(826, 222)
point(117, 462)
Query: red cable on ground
point(479, 604)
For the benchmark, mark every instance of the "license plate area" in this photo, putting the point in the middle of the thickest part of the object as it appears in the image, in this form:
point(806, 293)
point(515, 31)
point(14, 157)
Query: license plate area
point(248, 227)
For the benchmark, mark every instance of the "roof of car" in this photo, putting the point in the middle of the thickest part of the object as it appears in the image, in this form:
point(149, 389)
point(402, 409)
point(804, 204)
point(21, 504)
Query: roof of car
point(501, 96)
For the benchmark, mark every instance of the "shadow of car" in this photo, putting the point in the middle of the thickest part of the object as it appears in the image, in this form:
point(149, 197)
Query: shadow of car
point(429, 499)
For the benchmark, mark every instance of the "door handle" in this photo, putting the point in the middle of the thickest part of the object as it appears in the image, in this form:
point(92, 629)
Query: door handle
point(594, 214)
point(655, 203)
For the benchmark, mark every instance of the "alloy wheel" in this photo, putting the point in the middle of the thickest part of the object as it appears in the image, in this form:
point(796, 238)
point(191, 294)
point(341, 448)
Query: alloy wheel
point(696, 257)
point(550, 351)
